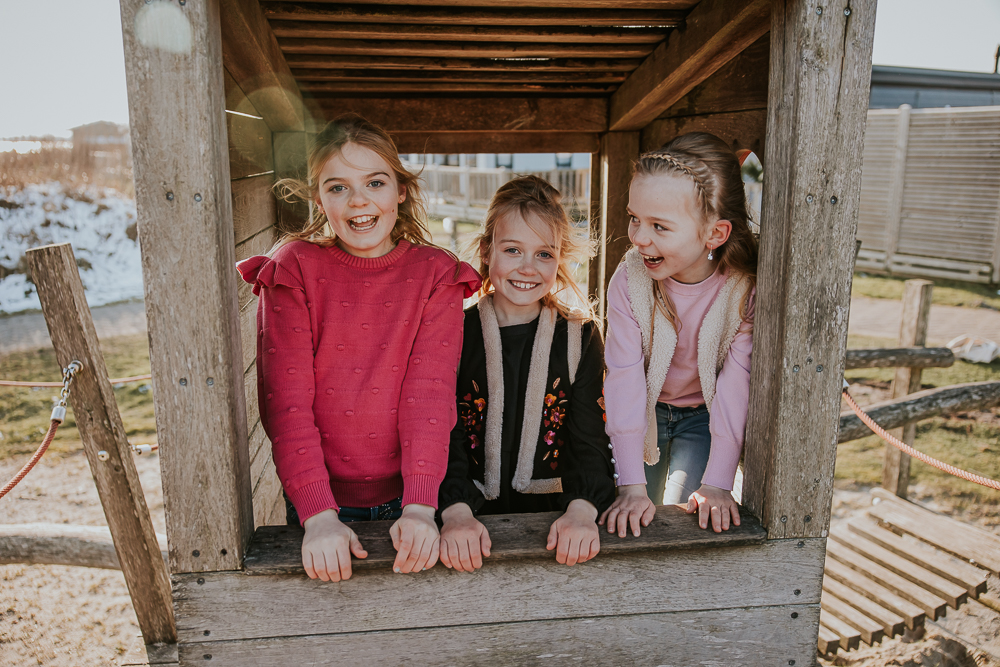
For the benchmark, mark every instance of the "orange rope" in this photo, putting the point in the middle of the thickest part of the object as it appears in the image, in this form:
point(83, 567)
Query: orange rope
point(34, 459)
point(14, 383)
point(920, 456)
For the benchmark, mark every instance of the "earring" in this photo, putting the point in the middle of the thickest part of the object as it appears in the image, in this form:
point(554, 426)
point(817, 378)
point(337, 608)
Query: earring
point(710, 256)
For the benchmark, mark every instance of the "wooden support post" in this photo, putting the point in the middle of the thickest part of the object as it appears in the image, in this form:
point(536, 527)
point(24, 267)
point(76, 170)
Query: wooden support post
point(55, 274)
point(184, 201)
point(820, 73)
point(609, 193)
point(912, 332)
point(896, 185)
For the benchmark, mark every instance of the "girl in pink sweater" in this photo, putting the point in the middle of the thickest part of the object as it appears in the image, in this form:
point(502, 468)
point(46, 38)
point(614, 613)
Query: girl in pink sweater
point(359, 336)
point(680, 314)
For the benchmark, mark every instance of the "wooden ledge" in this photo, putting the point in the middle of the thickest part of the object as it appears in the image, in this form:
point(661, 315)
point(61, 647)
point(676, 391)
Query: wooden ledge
point(277, 549)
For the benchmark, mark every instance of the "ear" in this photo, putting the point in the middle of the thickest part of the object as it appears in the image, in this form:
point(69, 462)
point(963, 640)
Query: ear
point(484, 250)
point(719, 233)
point(402, 193)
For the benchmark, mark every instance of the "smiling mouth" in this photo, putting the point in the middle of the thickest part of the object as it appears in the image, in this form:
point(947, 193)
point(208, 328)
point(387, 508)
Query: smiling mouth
point(651, 261)
point(363, 223)
point(523, 286)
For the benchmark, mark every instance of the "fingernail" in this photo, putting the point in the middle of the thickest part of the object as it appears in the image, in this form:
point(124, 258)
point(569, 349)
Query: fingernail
point(423, 569)
point(396, 570)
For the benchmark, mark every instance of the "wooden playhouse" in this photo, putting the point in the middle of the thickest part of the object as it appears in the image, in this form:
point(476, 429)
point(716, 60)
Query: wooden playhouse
point(224, 95)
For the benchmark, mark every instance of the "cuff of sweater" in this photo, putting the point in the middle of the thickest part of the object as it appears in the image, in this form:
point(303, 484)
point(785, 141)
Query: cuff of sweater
point(421, 489)
point(627, 453)
point(312, 499)
point(722, 465)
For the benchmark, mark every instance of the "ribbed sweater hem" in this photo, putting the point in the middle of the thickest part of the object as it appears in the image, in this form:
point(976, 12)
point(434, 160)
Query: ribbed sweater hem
point(371, 262)
point(367, 493)
point(421, 490)
point(312, 499)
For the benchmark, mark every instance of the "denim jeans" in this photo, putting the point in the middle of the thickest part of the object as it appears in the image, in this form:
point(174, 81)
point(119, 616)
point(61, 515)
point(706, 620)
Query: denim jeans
point(684, 441)
point(390, 510)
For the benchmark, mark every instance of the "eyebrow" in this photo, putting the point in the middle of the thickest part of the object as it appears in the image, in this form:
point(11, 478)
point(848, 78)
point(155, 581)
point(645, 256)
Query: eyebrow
point(374, 173)
point(652, 217)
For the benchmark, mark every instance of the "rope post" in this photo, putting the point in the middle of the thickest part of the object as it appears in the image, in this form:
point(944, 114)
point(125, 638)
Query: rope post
point(55, 274)
point(912, 333)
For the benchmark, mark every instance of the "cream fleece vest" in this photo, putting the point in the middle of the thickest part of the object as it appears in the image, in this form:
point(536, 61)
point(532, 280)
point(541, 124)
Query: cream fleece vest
point(659, 339)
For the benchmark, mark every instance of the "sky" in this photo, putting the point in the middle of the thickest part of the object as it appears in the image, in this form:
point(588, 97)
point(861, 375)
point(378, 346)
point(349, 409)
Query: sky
point(64, 64)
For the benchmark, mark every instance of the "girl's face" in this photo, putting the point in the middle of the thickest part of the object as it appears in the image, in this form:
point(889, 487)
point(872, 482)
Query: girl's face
point(669, 229)
point(359, 194)
point(523, 265)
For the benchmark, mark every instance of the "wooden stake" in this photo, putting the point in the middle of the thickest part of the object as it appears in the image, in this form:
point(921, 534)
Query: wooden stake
point(55, 274)
point(912, 332)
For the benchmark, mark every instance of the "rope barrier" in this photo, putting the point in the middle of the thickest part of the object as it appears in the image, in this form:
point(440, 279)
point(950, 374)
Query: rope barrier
point(15, 383)
point(920, 456)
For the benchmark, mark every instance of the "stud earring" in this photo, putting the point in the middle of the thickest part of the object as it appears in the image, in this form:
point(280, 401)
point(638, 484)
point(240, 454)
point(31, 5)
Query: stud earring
point(710, 255)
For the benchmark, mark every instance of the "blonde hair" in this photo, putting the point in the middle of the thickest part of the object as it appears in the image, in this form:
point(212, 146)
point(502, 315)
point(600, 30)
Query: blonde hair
point(714, 169)
point(351, 128)
point(527, 196)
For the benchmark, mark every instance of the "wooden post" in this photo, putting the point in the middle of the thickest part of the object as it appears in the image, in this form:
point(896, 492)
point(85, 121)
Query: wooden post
point(912, 332)
point(896, 185)
point(820, 73)
point(55, 274)
point(173, 64)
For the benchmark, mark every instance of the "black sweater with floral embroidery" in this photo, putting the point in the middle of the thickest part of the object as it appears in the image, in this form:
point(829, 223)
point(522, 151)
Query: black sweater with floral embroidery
point(571, 442)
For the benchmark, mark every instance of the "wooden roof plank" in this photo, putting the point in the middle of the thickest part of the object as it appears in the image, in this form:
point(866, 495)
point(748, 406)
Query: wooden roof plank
point(571, 77)
point(497, 142)
point(320, 61)
point(389, 87)
point(409, 31)
point(715, 32)
point(448, 49)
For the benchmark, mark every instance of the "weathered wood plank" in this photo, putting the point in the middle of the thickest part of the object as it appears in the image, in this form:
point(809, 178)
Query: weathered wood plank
point(514, 536)
point(863, 585)
point(446, 49)
point(893, 357)
point(464, 64)
point(62, 544)
point(248, 331)
point(958, 572)
point(258, 244)
point(249, 146)
point(250, 393)
point(258, 446)
point(920, 405)
point(250, 53)
point(184, 202)
point(715, 32)
point(892, 623)
point(820, 74)
point(829, 641)
point(444, 114)
point(870, 629)
point(254, 205)
point(140, 655)
point(266, 492)
point(740, 129)
point(444, 88)
point(962, 540)
point(496, 142)
point(232, 605)
point(459, 5)
point(850, 637)
point(291, 151)
point(484, 16)
point(57, 279)
point(455, 76)
point(501, 32)
point(754, 636)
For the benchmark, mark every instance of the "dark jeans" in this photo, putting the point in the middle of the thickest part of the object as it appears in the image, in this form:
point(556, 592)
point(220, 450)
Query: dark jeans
point(684, 441)
point(390, 510)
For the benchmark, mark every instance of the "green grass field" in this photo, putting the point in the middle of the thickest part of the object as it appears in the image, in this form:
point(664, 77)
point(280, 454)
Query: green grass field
point(946, 292)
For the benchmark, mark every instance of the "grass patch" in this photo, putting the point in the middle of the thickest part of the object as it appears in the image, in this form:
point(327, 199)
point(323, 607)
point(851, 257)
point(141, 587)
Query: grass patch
point(946, 292)
point(24, 412)
point(959, 373)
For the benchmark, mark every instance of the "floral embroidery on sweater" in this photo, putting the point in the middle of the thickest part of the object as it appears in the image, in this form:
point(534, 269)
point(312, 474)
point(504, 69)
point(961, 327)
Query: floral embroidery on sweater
point(472, 412)
point(553, 416)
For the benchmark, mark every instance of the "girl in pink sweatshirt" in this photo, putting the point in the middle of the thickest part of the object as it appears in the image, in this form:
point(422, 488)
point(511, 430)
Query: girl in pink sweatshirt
point(680, 314)
point(359, 336)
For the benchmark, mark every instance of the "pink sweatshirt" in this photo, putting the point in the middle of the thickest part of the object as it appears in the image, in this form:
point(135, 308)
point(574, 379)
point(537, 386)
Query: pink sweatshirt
point(625, 384)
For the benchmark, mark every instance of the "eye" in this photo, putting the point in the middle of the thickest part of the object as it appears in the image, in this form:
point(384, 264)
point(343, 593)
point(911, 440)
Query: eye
point(659, 227)
point(376, 184)
point(511, 251)
point(545, 255)
point(632, 220)
point(337, 188)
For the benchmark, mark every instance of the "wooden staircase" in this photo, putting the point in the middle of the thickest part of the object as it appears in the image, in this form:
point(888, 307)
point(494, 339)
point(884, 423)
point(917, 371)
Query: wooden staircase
point(899, 565)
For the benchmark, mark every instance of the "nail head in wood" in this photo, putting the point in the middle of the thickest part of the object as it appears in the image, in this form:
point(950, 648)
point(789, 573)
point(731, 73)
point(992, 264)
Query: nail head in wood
point(197, 196)
point(170, 196)
point(102, 455)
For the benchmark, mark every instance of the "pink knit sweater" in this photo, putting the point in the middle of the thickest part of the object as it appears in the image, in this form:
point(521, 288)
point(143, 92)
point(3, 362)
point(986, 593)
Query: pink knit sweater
point(356, 364)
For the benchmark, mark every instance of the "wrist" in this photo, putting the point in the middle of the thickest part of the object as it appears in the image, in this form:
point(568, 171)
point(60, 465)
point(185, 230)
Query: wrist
point(582, 508)
point(632, 490)
point(420, 510)
point(456, 512)
point(325, 518)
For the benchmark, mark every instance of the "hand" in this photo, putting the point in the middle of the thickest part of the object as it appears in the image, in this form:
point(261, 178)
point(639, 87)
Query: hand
point(574, 535)
point(327, 547)
point(464, 539)
point(715, 505)
point(415, 538)
point(632, 506)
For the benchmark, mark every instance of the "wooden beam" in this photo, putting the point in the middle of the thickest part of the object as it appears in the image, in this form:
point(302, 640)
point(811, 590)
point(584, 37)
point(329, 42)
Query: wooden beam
point(55, 274)
point(184, 202)
point(458, 5)
point(493, 33)
point(251, 54)
point(820, 73)
point(485, 16)
point(896, 357)
point(447, 49)
point(456, 76)
point(444, 114)
point(62, 544)
point(496, 142)
point(393, 88)
point(464, 64)
point(715, 31)
point(742, 129)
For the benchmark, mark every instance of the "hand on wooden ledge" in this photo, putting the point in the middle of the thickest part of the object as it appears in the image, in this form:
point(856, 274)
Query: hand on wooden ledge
point(327, 547)
point(632, 506)
point(415, 537)
point(464, 539)
point(715, 506)
point(574, 535)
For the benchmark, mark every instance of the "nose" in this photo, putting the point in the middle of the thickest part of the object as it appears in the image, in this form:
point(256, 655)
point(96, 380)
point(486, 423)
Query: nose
point(640, 237)
point(358, 198)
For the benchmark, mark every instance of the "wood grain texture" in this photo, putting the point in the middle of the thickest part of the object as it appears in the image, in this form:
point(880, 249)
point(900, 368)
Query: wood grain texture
point(291, 151)
point(892, 623)
point(455, 76)
point(617, 153)
point(235, 606)
point(57, 279)
point(248, 332)
point(962, 540)
point(463, 64)
point(863, 585)
point(254, 208)
point(514, 536)
point(250, 394)
point(459, 5)
point(538, 114)
point(850, 637)
point(482, 16)
point(466, 33)
point(893, 357)
point(449, 49)
point(895, 412)
point(496, 142)
point(249, 146)
point(62, 544)
point(452, 88)
point(740, 129)
point(820, 73)
point(715, 32)
point(266, 492)
point(754, 636)
point(250, 53)
point(829, 641)
point(184, 202)
point(258, 244)
point(595, 268)
point(870, 629)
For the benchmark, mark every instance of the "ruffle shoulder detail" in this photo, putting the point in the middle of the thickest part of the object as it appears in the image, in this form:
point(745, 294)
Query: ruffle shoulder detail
point(468, 277)
point(445, 271)
point(263, 271)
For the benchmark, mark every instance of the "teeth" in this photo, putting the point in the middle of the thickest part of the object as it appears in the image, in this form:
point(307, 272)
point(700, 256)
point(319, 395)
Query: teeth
point(650, 259)
point(520, 285)
point(363, 222)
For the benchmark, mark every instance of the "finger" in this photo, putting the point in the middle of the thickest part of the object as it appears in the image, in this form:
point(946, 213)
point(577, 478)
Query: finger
point(464, 555)
point(405, 544)
point(725, 518)
point(356, 548)
point(307, 563)
point(562, 549)
point(613, 518)
point(445, 560)
point(486, 543)
point(595, 547)
point(600, 520)
point(330, 570)
point(573, 551)
point(476, 554)
point(586, 550)
point(424, 556)
point(622, 521)
point(394, 534)
point(344, 562)
point(648, 514)
point(716, 515)
point(553, 538)
point(692, 505)
point(435, 552)
point(415, 552)
point(633, 519)
point(735, 509)
point(703, 512)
